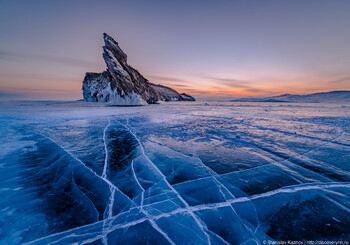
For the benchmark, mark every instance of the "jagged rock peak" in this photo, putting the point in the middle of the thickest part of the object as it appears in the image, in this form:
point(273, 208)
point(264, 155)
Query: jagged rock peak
point(113, 47)
point(121, 84)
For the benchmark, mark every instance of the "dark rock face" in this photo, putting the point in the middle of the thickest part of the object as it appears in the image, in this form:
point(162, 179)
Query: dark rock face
point(187, 97)
point(121, 84)
point(166, 93)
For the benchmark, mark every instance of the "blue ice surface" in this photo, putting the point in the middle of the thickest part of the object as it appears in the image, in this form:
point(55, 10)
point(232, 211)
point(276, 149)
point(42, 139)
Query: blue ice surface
point(174, 173)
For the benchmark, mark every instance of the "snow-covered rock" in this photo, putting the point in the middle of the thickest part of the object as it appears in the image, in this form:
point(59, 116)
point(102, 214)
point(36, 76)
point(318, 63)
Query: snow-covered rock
point(121, 84)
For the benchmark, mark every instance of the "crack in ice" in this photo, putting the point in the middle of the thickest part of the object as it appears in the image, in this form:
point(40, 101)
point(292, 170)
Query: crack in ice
point(108, 218)
point(290, 189)
point(338, 204)
point(134, 174)
point(104, 175)
point(109, 208)
point(84, 165)
point(167, 183)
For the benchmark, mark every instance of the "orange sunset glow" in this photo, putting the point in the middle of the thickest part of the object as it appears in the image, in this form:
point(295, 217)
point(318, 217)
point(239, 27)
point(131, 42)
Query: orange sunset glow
point(251, 54)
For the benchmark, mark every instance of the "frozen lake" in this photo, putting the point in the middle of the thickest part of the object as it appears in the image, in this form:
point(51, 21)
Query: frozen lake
point(178, 173)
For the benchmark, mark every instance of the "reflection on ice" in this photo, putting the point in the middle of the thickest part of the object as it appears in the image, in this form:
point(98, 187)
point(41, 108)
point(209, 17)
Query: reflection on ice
point(173, 173)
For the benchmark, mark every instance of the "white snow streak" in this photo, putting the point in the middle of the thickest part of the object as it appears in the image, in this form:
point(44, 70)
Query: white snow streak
point(104, 176)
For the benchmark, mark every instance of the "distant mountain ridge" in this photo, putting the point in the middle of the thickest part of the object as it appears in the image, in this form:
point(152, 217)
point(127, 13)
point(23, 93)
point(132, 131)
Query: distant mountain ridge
point(339, 97)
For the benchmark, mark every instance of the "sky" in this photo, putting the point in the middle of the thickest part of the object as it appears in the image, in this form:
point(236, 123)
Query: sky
point(221, 48)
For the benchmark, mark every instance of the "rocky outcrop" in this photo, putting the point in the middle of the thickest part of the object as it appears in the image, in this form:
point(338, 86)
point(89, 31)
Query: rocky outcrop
point(121, 84)
point(187, 97)
point(166, 93)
